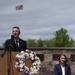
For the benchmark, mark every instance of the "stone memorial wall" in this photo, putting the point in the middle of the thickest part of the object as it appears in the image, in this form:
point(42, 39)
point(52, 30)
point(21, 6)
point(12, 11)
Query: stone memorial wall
point(49, 57)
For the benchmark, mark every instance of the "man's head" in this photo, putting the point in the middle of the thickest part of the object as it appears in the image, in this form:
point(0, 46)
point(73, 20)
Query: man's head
point(16, 32)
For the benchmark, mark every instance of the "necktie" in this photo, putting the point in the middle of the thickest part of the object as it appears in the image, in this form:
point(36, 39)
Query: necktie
point(17, 44)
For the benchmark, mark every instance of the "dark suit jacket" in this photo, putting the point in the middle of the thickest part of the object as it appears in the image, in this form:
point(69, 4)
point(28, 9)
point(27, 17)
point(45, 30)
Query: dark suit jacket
point(58, 70)
point(11, 46)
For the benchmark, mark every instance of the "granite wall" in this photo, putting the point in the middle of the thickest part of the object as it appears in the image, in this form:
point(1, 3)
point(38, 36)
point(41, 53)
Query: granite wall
point(49, 57)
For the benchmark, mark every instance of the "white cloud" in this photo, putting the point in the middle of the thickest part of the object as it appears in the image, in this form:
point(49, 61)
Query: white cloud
point(38, 19)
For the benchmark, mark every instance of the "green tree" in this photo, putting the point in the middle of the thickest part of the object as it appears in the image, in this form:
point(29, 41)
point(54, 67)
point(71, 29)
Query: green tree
point(62, 39)
point(39, 43)
point(51, 42)
point(45, 43)
point(31, 43)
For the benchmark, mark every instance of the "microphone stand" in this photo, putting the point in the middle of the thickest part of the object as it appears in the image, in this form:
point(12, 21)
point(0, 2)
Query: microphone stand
point(9, 59)
point(10, 47)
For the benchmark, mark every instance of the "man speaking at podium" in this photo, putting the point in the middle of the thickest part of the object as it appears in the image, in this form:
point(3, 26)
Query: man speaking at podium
point(15, 43)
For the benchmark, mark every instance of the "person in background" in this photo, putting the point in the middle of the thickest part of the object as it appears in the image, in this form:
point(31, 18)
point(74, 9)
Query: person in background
point(62, 68)
point(15, 43)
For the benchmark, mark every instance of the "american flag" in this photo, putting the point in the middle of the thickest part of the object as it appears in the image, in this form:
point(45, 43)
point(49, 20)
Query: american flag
point(19, 7)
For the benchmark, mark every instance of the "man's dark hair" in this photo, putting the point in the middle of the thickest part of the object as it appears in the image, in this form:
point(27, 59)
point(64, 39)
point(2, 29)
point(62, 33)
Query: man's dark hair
point(16, 27)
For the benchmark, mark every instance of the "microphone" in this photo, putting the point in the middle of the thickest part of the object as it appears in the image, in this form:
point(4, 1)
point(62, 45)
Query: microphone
point(12, 36)
point(9, 45)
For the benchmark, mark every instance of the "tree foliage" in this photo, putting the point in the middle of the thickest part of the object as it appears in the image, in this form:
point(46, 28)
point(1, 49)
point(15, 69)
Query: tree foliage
point(61, 39)
point(31, 43)
point(39, 43)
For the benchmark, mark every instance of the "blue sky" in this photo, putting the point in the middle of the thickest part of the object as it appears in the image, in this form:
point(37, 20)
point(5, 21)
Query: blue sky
point(38, 19)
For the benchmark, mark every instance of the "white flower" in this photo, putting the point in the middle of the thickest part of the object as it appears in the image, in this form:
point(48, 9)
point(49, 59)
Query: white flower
point(21, 61)
point(21, 69)
point(16, 66)
point(27, 50)
point(18, 56)
point(36, 65)
point(22, 52)
point(21, 65)
point(17, 63)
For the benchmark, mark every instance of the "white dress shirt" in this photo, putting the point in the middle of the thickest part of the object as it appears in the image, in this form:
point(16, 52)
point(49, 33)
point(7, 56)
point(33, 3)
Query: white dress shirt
point(17, 42)
point(63, 70)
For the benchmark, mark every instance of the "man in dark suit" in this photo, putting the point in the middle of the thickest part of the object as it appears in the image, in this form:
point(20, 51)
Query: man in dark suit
point(15, 43)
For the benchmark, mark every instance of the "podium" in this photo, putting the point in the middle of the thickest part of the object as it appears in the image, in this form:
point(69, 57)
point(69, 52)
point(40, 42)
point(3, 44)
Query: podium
point(7, 64)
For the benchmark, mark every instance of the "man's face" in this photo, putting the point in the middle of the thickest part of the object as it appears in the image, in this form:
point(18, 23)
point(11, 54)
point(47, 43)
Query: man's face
point(15, 32)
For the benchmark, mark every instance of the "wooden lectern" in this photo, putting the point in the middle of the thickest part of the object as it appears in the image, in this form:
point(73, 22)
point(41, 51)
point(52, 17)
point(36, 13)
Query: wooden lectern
point(7, 64)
